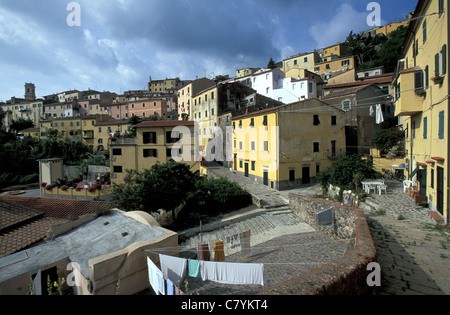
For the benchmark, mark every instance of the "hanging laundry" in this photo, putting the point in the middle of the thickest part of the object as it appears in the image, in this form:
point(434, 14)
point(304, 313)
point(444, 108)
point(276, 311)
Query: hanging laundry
point(232, 273)
point(161, 282)
point(37, 284)
point(173, 268)
point(379, 115)
point(219, 253)
point(170, 287)
point(194, 268)
point(178, 291)
point(154, 277)
point(204, 252)
point(245, 242)
point(371, 111)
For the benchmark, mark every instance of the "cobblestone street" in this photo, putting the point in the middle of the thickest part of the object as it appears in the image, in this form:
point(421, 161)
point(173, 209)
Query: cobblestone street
point(413, 253)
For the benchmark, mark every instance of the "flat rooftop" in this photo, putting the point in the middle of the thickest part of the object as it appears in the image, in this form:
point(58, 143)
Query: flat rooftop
point(101, 236)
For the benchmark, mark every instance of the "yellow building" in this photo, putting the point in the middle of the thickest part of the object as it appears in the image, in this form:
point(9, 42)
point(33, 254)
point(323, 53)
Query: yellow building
point(422, 103)
point(164, 86)
point(331, 65)
point(389, 28)
point(153, 144)
point(23, 109)
point(81, 128)
point(337, 49)
point(107, 129)
point(301, 61)
point(287, 146)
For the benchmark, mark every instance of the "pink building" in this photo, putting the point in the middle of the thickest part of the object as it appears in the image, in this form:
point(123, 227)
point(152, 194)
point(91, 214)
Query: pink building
point(146, 108)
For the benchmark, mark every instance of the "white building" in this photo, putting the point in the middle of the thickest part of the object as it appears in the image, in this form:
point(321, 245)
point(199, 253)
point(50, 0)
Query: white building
point(274, 84)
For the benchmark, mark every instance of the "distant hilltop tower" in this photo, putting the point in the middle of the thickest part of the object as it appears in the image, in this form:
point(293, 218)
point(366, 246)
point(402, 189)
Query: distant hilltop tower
point(30, 92)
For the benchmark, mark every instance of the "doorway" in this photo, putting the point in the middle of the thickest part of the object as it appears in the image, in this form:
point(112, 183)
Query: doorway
point(306, 179)
point(246, 170)
point(266, 178)
point(440, 190)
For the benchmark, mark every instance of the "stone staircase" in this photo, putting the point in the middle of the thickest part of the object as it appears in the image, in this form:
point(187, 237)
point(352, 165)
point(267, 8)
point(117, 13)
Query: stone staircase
point(264, 226)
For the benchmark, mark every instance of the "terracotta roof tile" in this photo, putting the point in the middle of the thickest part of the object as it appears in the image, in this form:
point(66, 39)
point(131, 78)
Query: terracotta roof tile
point(59, 208)
point(25, 221)
point(164, 123)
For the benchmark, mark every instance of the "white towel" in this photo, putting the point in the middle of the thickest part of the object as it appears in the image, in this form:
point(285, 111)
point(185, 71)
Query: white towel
point(153, 276)
point(371, 111)
point(37, 288)
point(379, 115)
point(232, 273)
point(173, 268)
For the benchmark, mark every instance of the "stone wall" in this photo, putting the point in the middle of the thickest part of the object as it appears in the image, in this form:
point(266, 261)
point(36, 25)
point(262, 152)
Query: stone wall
point(345, 275)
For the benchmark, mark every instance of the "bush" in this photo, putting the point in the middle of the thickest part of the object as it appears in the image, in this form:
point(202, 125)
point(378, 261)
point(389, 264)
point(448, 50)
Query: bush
point(347, 173)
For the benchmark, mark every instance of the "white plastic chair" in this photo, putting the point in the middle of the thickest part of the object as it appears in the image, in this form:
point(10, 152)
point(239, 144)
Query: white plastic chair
point(406, 185)
point(382, 187)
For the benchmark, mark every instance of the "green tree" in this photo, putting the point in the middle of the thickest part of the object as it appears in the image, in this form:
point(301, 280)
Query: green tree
point(343, 172)
point(133, 121)
point(21, 124)
point(271, 64)
point(386, 139)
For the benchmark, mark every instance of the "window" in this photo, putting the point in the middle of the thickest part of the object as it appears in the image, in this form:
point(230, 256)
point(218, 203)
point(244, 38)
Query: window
point(149, 137)
point(316, 120)
point(333, 120)
point(252, 122)
point(206, 97)
point(327, 66)
point(116, 152)
point(253, 145)
point(267, 90)
point(345, 63)
point(212, 95)
point(212, 111)
point(346, 105)
point(418, 81)
point(425, 127)
point(427, 77)
point(266, 146)
point(291, 175)
point(413, 129)
point(117, 169)
point(316, 147)
point(241, 164)
point(424, 30)
point(305, 59)
point(240, 145)
point(441, 7)
point(169, 138)
point(150, 153)
point(295, 62)
point(441, 62)
point(265, 121)
point(253, 165)
point(432, 178)
point(441, 125)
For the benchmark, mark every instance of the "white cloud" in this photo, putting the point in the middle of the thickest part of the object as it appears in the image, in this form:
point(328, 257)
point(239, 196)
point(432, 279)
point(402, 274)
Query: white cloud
point(336, 29)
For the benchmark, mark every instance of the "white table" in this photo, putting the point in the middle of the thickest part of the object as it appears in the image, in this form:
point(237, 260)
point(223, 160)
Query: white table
point(372, 182)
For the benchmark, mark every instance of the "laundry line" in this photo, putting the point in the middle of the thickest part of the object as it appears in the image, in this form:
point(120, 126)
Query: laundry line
point(156, 250)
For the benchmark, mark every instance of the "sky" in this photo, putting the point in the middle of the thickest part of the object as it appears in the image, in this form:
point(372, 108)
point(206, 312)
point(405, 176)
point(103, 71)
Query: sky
point(116, 45)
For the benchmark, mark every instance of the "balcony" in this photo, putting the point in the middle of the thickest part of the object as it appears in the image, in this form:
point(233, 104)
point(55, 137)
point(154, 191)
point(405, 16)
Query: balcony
point(123, 141)
point(409, 93)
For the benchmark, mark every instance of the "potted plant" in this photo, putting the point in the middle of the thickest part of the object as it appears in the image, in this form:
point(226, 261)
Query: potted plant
point(421, 93)
point(425, 204)
point(438, 79)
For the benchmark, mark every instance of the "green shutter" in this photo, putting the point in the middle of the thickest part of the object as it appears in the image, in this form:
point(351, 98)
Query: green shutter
point(444, 59)
point(436, 65)
point(441, 125)
point(425, 127)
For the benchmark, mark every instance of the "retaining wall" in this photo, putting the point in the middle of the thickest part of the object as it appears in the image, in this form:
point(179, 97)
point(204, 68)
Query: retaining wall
point(345, 275)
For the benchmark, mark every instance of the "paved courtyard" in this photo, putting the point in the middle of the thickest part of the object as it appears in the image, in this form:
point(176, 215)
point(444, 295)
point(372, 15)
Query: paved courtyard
point(414, 253)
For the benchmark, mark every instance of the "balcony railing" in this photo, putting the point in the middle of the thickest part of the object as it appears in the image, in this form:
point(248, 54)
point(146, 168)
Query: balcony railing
point(124, 141)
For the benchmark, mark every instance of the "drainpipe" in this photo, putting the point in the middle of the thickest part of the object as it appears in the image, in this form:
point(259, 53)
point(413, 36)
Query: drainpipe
point(448, 111)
